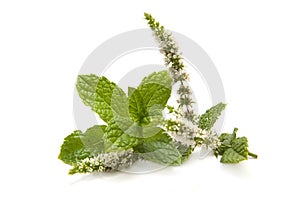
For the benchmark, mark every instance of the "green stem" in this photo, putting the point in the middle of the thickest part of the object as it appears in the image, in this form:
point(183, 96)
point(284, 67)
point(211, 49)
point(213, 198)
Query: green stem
point(252, 155)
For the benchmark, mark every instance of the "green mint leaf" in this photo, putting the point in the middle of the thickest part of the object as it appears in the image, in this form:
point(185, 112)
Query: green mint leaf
point(120, 109)
point(93, 140)
point(119, 103)
point(130, 91)
point(240, 145)
point(156, 89)
point(226, 140)
point(147, 102)
point(116, 139)
point(152, 121)
point(208, 119)
point(233, 149)
point(147, 119)
point(73, 150)
point(230, 156)
point(185, 151)
point(160, 149)
point(97, 92)
point(238, 151)
point(137, 109)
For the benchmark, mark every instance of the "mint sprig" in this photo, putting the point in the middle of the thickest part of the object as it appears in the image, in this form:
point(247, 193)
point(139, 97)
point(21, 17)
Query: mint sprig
point(96, 92)
point(132, 123)
point(135, 127)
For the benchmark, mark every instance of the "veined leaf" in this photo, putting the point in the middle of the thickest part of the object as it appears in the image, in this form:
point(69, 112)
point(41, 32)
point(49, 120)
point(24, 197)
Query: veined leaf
point(137, 109)
point(93, 140)
point(160, 149)
point(156, 89)
point(119, 103)
point(116, 139)
point(97, 92)
point(238, 151)
point(130, 91)
point(232, 157)
point(226, 140)
point(209, 118)
point(78, 145)
point(73, 150)
point(148, 100)
point(233, 149)
point(185, 151)
point(146, 120)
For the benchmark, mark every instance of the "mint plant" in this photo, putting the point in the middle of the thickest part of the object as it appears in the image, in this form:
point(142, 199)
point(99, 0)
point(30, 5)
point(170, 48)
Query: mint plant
point(135, 127)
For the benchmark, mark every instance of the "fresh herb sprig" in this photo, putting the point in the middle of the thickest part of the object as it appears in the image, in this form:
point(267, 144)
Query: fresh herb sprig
point(133, 126)
point(201, 133)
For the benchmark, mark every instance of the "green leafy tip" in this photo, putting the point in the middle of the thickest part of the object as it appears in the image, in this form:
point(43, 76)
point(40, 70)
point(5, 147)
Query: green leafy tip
point(209, 118)
point(73, 150)
point(233, 149)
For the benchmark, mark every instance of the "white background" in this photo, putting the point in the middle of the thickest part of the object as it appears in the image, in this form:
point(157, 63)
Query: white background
point(254, 44)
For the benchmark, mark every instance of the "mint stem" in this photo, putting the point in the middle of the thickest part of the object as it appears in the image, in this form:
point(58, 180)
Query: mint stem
point(252, 155)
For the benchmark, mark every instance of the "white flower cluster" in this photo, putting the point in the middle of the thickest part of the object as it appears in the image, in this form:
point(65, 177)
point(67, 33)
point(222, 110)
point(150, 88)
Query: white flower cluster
point(105, 162)
point(181, 131)
point(118, 160)
point(209, 138)
point(173, 60)
point(88, 165)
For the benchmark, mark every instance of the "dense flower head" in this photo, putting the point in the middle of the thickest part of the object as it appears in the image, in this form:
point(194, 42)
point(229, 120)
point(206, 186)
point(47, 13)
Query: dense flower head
point(105, 162)
point(88, 165)
point(209, 138)
point(118, 160)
